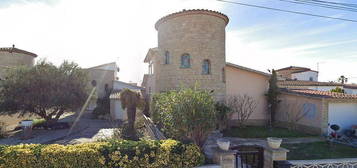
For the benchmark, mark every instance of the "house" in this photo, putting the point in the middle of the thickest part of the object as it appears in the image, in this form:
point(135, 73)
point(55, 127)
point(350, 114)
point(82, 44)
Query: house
point(11, 57)
point(314, 85)
point(191, 52)
point(317, 110)
point(297, 73)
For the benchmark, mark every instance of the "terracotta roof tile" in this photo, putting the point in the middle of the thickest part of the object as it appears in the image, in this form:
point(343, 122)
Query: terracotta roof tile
point(320, 94)
point(16, 50)
point(283, 83)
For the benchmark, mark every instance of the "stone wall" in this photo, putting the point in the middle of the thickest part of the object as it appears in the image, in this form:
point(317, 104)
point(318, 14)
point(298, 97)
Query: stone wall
point(202, 36)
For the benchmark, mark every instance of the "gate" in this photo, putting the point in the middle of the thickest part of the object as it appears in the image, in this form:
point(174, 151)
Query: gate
point(249, 156)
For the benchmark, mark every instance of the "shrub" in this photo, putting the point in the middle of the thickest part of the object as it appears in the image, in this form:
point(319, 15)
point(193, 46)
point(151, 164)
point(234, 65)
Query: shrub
point(187, 114)
point(124, 154)
point(223, 115)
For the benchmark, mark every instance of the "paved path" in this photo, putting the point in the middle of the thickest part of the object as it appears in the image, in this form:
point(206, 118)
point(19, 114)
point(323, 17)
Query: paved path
point(86, 130)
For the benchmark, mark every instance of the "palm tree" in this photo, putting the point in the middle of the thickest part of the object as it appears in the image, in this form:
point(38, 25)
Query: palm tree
point(130, 100)
point(342, 79)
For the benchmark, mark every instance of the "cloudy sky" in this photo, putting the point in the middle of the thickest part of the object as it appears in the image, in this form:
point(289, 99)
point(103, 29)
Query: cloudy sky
point(92, 32)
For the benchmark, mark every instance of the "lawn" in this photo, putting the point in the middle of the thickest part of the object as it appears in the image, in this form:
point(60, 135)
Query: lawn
point(262, 132)
point(319, 150)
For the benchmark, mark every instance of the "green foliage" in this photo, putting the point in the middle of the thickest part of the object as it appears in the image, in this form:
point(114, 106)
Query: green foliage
point(272, 97)
point(187, 114)
point(124, 154)
point(45, 90)
point(342, 79)
point(338, 90)
point(223, 114)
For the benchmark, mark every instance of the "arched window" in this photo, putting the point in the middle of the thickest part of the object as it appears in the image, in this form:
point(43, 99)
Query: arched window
point(206, 67)
point(185, 61)
point(167, 57)
point(311, 78)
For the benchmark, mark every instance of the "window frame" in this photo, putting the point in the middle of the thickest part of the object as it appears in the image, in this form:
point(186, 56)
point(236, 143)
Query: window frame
point(204, 72)
point(188, 56)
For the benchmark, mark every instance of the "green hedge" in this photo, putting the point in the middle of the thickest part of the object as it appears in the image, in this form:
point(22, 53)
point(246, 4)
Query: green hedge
point(112, 154)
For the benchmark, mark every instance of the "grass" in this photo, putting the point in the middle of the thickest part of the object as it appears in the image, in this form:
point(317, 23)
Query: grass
point(319, 150)
point(262, 132)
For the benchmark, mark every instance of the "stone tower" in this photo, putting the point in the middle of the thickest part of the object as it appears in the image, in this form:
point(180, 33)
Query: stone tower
point(191, 49)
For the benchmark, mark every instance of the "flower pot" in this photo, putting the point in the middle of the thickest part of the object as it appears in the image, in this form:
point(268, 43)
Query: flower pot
point(223, 144)
point(274, 142)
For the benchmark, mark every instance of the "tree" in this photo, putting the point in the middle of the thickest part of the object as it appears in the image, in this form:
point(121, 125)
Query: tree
point(130, 100)
point(44, 90)
point(338, 90)
point(243, 106)
point(294, 112)
point(272, 98)
point(186, 114)
point(342, 79)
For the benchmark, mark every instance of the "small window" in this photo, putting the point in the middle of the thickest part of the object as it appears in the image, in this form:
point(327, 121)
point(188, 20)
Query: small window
point(311, 79)
point(185, 61)
point(167, 57)
point(206, 67)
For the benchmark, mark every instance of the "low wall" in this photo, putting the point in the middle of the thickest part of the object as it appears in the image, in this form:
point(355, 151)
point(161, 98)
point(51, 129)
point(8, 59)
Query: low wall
point(345, 162)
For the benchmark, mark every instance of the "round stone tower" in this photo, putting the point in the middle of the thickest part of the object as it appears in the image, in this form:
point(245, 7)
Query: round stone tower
point(191, 46)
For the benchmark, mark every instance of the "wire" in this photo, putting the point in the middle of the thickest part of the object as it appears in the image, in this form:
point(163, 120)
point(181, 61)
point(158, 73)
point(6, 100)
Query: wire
point(309, 3)
point(288, 11)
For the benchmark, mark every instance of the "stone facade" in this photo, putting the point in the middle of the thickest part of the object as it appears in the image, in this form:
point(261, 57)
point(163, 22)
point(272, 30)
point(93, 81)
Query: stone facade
point(12, 57)
point(201, 35)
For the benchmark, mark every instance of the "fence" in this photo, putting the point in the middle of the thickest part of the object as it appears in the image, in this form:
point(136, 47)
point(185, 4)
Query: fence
point(323, 163)
point(152, 130)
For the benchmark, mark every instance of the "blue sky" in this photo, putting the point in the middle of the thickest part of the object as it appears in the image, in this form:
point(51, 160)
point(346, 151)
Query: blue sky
point(92, 32)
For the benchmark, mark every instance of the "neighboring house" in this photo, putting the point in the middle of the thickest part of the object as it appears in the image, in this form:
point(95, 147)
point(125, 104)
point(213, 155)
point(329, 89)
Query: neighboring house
point(104, 76)
point(12, 57)
point(116, 111)
point(319, 109)
point(297, 73)
point(314, 85)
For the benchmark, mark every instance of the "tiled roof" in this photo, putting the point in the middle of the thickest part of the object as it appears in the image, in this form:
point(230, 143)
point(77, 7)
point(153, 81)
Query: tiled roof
point(246, 69)
point(283, 83)
point(293, 67)
point(320, 94)
point(16, 50)
point(350, 86)
point(190, 12)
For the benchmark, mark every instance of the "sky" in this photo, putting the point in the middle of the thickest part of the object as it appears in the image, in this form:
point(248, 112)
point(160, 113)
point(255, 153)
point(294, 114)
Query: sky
point(93, 32)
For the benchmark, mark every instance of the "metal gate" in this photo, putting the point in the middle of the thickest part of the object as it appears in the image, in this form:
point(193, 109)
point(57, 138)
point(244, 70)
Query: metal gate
point(249, 156)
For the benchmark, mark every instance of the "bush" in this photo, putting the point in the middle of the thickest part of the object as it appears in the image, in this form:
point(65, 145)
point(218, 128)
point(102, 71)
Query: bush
point(187, 114)
point(124, 154)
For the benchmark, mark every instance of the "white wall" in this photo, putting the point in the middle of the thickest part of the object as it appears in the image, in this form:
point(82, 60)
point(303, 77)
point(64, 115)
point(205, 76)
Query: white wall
point(322, 88)
point(350, 91)
point(342, 114)
point(305, 76)
point(117, 112)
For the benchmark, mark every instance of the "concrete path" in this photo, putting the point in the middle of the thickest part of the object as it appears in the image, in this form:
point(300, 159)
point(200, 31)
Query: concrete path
point(86, 130)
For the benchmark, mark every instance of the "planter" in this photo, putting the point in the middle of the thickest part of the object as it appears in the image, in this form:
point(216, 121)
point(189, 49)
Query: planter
point(223, 144)
point(26, 123)
point(274, 142)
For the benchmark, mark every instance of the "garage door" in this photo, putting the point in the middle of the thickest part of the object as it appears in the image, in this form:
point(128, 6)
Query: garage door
point(342, 114)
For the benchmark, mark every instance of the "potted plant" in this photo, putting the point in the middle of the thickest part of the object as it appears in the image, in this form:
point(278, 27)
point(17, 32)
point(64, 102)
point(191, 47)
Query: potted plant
point(223, 144)
point(274, 142)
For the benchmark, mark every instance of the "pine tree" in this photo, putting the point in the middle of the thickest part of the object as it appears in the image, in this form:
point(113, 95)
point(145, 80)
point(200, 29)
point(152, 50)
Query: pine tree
point(272, 98)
